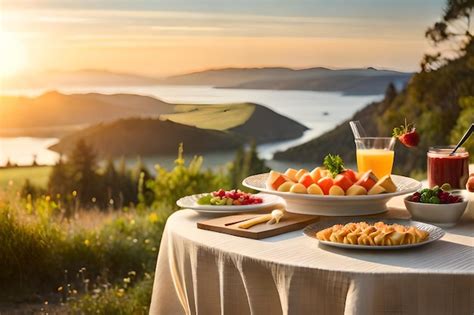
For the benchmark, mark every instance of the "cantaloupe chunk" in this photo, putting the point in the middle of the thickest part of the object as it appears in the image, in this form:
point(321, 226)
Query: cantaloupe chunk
point(306, 180)
point(314, 189)
point(377, 189)
point(300, 173)
point(291, 174)
point(367, 180)
point(298, 188)
point(387, 183)
point(275, 179)
point(316, 174)
point(355, 190)
point(285, 187)
point(336, 191)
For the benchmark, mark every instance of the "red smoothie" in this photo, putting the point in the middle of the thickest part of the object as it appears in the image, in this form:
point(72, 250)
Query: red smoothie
point(445, 168)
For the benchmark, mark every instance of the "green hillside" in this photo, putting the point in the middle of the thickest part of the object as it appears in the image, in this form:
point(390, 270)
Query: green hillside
point(15, 177)
point(217, 117)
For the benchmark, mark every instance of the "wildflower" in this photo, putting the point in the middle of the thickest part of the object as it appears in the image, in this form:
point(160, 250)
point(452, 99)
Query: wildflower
point(120, 292)
point(153, 249)
point(135, 240)
point(111, 202)
point(126, 280)
point(74, 193)
point(60, 289)
point(87, 242)
point(94, 199)
point(45, 302)
point(47, 198)
point(146, 241)
point(132, 221)
point(132, 273)
point(153, 217)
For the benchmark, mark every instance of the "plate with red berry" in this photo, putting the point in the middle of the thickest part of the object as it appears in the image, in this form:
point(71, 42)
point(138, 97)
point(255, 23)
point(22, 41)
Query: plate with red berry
point(229, 201)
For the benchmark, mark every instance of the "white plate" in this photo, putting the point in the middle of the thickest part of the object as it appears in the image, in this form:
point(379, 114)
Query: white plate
point(435, 232)
point(335, 205)
point(190, 202)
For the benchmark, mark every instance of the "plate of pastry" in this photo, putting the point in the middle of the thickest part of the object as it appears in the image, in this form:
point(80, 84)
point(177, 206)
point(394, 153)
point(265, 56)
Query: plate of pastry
point(364, 233)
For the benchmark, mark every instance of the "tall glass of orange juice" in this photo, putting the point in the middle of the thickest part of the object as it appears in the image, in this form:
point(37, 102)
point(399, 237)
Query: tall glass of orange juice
point(376, 154)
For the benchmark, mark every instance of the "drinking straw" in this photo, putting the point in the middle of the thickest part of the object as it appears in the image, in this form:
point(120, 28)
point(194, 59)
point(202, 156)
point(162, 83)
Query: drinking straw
point(357, 129)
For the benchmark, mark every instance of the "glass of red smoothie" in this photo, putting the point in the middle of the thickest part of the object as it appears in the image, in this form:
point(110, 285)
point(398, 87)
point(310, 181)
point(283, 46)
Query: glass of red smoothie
point(445, 168)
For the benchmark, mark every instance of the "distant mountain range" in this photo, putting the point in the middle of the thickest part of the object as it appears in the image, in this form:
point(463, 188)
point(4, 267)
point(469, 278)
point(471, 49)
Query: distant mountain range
point(88, 77)
point(367, 81)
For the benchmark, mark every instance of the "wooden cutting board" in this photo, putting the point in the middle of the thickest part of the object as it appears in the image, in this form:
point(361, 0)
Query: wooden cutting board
point(290, 222)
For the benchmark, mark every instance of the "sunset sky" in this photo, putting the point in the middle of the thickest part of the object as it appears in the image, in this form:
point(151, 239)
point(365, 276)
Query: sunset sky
point(174, 36)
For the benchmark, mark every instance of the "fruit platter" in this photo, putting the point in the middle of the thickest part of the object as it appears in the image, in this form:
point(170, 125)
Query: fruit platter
point(332, 189)
point(231, 201)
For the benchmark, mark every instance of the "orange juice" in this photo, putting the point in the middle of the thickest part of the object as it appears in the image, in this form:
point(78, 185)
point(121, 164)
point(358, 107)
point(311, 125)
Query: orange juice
point(378, 160)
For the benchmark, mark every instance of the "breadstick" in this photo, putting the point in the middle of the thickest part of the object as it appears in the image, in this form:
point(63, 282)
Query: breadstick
point(255, 221)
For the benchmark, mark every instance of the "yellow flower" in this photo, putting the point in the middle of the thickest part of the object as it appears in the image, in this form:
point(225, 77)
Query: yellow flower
point(120, 292)
point(87, 242)
point(126, 280)
point(153, 217)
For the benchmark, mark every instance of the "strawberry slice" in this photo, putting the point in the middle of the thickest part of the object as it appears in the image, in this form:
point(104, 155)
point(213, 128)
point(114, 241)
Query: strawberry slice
point(407, 135)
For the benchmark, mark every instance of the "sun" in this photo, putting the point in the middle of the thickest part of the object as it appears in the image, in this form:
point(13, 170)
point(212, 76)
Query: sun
point(12, 54)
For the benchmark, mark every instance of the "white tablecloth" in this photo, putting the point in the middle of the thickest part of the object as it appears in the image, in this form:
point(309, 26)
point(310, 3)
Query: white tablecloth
point(203, 272)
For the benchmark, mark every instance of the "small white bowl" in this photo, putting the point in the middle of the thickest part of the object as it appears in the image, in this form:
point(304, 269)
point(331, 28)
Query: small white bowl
point(443, 215)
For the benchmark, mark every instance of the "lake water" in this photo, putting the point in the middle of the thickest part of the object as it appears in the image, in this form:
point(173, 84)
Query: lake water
point(320, 111)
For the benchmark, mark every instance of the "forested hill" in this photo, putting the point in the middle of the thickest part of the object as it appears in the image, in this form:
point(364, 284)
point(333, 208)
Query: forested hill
point(142, 137)
point(230, 126)
point(440, 102)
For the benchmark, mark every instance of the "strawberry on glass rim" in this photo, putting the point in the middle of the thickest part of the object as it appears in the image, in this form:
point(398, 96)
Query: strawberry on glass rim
point(407, 135)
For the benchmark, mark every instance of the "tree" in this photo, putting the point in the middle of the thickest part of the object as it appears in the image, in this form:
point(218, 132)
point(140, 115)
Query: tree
point(390, 93)
point(59, 183)
point(246, 162)
point(453, 32)
point(110, 181)
point(83, 164)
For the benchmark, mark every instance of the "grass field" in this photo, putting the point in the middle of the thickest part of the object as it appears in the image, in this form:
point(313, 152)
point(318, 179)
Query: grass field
point(15, 177)
point(224, 117)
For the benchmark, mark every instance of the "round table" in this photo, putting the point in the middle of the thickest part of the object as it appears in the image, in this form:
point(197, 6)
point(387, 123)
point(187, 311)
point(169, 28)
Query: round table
point(204, 272)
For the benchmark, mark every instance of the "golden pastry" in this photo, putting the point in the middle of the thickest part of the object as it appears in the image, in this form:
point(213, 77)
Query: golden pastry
point(379, 233)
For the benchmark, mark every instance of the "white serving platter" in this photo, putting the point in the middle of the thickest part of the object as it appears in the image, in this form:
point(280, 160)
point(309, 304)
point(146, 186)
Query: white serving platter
point(335, 205)
point(190, 202)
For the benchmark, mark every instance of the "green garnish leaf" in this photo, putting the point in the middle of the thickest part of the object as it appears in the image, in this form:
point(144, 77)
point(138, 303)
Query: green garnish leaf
point(333, 164)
